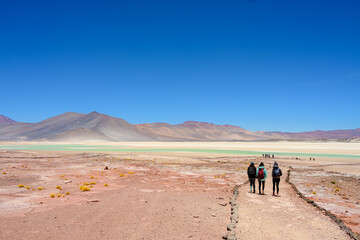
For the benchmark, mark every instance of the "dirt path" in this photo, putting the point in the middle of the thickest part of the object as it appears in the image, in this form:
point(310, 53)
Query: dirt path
point(284, 217)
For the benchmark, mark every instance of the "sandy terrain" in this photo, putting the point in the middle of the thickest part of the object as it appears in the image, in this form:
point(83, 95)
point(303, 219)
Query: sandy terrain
point(169, 195)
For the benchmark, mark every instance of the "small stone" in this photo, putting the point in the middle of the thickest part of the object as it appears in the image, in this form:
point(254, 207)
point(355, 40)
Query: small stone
point(196, 216)
point(223, 204)
point(106, 168)
point(93, 200)
point(213, 215)
point(67, 181)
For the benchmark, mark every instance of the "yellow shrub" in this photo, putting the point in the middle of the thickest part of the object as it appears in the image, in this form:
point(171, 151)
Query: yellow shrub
point(67, 193)
point(27, 187)
point(130, 173)
point(58, 187)
point(106, 184)
point(40, 188)
point(52, 195)
point(85, 188)
point(314, 192)
point(21, 186)
point(58, 195)
point(4, 172)
point(93, 183)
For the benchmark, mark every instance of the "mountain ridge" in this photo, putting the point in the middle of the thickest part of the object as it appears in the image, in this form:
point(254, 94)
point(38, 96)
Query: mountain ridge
point(72, 126)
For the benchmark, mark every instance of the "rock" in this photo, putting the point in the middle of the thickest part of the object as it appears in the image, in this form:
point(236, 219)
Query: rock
point(230, 227)
point(213, 215)
point(223, 204)
point(106, 168)
point(67, 181)
point(93, 200)
point(196, 216)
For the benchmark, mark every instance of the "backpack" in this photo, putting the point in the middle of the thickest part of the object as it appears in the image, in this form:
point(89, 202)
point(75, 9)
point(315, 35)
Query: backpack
point(261, 174)
point(251, 171)
point(277, 172)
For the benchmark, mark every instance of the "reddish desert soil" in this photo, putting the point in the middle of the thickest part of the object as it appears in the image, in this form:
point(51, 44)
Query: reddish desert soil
point(336, 192)
point(283, 217)
point(149, 196)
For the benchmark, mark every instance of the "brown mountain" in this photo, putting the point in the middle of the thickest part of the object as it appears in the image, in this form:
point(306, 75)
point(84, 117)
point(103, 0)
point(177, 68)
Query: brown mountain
point(99, 127)
point(198, 131)
point(5, 120)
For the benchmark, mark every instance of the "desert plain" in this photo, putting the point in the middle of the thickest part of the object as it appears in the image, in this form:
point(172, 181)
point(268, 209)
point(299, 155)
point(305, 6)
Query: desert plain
point(176, 190)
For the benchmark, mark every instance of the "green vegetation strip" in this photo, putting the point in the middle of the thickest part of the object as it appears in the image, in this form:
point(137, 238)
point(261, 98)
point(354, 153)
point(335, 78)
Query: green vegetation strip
point(107, 148)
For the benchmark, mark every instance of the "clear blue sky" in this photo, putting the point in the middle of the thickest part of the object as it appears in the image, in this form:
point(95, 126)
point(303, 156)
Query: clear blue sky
point(262, 65)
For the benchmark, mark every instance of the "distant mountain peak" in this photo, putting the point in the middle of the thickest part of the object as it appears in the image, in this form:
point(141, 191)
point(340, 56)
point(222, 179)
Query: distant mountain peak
point(5, 120)
point(197, 123)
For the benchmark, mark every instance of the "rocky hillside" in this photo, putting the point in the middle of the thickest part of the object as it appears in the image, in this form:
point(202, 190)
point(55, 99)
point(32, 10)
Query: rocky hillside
point(94, 126)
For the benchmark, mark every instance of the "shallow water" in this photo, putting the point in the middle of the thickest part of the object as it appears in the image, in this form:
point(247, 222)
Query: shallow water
point(108, 148)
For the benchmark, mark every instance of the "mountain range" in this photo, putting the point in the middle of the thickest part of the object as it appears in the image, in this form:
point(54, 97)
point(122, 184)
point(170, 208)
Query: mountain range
point(95, 126)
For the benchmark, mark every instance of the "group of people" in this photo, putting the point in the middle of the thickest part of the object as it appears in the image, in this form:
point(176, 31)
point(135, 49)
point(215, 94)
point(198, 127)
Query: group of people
point(260, 173)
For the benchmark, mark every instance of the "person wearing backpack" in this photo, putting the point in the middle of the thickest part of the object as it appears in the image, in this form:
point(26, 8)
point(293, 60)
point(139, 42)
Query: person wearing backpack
point(261, 175)
point(251, 171)
point(276, 174)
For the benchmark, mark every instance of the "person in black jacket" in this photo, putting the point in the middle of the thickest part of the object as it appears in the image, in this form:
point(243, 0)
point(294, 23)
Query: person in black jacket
point(276, 174)
point(251, 171)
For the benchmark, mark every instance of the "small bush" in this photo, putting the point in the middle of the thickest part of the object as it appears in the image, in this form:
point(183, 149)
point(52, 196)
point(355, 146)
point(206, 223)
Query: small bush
point(333, 182)
point(52, 195)
point(21, 186)
point(85, 188)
